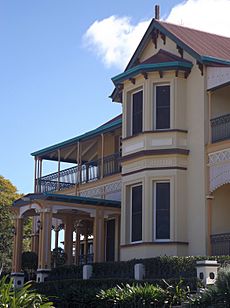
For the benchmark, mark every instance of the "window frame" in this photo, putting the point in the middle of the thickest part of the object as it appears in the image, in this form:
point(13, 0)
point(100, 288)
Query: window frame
point(155, 106)
point(155, 239)
point(131, 212)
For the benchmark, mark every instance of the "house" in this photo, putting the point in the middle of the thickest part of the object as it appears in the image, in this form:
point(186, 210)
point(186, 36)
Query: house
point(154, 180)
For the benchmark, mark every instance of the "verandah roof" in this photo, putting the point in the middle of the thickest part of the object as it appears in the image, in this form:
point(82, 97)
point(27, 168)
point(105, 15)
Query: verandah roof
point(29, 198)
point(106, 127)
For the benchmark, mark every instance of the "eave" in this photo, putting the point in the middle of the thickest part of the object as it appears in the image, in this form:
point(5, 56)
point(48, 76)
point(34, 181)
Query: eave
point(145, 68)
point(93, 133)
point(30, 198)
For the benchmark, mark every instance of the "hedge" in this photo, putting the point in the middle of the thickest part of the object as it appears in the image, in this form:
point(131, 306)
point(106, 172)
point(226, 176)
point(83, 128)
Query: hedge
point(165, 267)
point(82, 293)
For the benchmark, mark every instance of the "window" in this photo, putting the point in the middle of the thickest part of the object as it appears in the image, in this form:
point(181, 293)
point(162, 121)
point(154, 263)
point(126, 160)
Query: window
point(136, 202)
point(162, 210)
point(162, 107)
point(137, 112)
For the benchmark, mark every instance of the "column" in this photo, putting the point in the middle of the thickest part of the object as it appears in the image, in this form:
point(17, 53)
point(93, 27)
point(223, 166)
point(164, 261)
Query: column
point(44, 251)
point(99, 236)
point(209, 116)
point(68, 240)
point(86, 244)
point(102, 156)
point(117, 238)
point(77, 246)
point(209, 220)
point(17, 275)
point(59, 168)
point(35, 175)
point(35, 236)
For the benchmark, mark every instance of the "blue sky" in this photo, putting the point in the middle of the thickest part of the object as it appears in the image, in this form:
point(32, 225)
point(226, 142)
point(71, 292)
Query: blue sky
point(56, 62)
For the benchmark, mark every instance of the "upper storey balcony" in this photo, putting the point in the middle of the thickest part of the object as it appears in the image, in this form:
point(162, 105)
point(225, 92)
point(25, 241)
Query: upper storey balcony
point(218, 148)
point(94, 159)
point(218, 85)
point(86, 173)
point(220, 127)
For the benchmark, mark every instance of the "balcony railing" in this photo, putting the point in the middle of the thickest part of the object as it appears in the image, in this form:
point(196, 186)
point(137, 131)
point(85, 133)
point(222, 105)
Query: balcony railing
point(220, 244)
point(220, 128)
point(87, 172)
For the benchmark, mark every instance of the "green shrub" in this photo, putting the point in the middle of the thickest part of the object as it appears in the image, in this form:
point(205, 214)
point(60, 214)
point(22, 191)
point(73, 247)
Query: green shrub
point(82, 293)
point(21, 297)
point(218, 294)
point(133, 295)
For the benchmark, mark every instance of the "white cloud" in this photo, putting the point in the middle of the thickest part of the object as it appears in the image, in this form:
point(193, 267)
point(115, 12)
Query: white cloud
point(207, 15)
point(114, 39)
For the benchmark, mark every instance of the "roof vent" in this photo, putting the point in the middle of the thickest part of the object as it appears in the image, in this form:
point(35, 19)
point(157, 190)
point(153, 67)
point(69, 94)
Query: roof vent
point(157, 12)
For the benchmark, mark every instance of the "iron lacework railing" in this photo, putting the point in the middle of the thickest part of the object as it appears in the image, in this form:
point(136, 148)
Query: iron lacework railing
point(220, 128)
point(220, 244)
point(87, 172)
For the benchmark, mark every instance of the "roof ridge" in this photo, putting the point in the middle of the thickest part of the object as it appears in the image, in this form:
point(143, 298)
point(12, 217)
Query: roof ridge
point(193, 29)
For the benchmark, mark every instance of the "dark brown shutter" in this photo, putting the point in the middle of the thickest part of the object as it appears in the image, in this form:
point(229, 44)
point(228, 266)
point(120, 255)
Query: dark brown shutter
point(110, 240)
point(162, 107)
point(136, 213)
point(162, 210)
point(137, 118)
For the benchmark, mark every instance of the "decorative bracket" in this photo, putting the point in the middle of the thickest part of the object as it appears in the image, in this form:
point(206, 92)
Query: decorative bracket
point(145, 75)
point(133, 80)
point(201, 67)
point(154, 37)
point(181, 51)
point(161, 74)
point(163, 37)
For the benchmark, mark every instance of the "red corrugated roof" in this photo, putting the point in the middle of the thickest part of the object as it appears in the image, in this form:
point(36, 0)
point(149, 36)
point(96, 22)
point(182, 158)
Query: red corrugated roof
point(203, 43)
point(164, 56)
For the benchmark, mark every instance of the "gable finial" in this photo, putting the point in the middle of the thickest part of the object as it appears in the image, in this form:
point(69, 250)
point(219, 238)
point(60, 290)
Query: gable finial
point(157, 12)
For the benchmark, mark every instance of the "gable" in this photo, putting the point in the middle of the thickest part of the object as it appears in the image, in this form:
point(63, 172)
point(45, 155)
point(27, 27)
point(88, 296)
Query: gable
point(204, 47)
point(189, 44)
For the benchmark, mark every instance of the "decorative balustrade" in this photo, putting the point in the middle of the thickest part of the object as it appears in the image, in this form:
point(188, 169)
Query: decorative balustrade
point(85, 259)
point(220, 128)
point(220, 244)
point(87, 172)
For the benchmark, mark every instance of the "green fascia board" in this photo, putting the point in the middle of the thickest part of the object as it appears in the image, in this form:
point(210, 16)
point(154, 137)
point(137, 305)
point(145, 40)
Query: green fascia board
point(151, 67)
point(90, 134)
point(83, 200)
point(27, 199)
point(208, 59)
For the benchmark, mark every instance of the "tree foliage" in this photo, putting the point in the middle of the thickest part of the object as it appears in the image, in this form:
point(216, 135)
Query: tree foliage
point(8, 193)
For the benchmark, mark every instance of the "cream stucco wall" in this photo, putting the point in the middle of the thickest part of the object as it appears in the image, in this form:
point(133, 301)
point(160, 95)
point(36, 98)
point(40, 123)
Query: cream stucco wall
point(150, 250)
point(178, 210)
point(189, 112)
point(197, 118)
point(221, 210)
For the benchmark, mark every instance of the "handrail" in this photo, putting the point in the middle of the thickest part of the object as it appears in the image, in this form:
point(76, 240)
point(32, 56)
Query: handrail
point(87, 172)
point(220, 244)
point(220, 128)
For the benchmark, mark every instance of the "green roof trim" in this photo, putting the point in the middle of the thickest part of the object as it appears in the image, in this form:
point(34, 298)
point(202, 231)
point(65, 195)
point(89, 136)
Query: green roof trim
point(83, 200)
point(149, 68)
point(101, 129)
point(27, 199)
point(208, 59)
